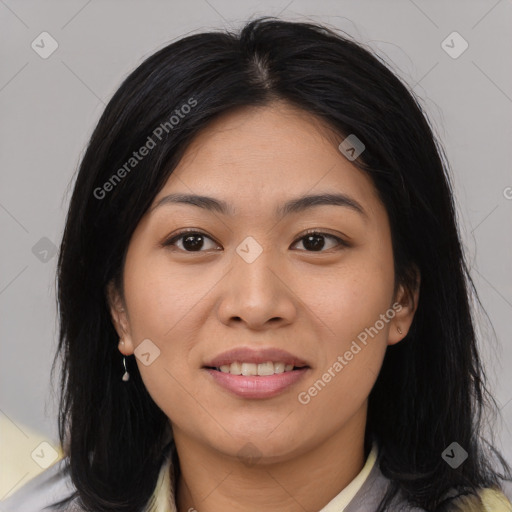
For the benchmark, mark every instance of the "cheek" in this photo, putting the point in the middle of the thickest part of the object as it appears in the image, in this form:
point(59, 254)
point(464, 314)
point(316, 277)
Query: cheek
point(166, 306)
point(349, 298)
point(354, 337)
point(161, 296)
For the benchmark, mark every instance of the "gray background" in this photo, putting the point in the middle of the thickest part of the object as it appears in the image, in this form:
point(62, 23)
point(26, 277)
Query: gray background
point(50, 106)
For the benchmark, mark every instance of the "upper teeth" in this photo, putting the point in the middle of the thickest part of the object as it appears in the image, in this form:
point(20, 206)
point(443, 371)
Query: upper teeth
point(268, 368)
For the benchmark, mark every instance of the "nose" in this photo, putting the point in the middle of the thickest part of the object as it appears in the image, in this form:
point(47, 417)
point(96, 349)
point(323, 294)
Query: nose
point(257, 293)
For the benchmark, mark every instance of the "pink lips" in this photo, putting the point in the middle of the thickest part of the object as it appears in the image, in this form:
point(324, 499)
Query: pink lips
point(256, 386)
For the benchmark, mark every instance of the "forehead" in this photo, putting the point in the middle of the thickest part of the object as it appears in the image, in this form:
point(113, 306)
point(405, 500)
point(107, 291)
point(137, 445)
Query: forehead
point(265, 155)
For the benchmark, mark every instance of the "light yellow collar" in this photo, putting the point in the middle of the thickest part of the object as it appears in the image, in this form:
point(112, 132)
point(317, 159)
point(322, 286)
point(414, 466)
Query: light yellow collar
point(163, 499)
point(339, 502)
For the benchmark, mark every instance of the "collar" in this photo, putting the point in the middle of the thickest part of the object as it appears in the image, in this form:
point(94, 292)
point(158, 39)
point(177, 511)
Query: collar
point(340, 502)
point(163, 498)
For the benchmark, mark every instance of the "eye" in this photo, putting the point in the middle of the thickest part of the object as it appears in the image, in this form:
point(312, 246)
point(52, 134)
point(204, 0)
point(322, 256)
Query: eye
point(193, 241)
point(313, 240)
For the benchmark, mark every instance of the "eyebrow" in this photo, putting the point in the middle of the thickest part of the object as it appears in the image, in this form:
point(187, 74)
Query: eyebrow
point(295, 205)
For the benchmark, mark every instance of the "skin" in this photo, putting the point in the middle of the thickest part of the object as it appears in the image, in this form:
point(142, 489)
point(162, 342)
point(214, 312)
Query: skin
point(195, 305)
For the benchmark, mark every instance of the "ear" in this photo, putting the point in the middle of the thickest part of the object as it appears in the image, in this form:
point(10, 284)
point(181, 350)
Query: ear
point(405, 306)
point(120, 319)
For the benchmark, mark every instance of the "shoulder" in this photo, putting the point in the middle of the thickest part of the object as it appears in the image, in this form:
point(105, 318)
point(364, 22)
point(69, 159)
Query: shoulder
point(495, 501)
point(47, 488)
point(374, 488)
point(487, 499)
point(371, 493)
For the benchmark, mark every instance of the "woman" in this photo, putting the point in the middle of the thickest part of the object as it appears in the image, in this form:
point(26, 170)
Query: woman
point(263, 299)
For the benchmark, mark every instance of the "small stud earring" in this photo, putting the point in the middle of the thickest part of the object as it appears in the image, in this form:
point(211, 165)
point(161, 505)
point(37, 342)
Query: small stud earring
point(399, 330)
point(126, 375)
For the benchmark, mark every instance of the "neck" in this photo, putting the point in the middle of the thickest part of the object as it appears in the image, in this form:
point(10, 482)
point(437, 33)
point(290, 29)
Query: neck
point(211, 481)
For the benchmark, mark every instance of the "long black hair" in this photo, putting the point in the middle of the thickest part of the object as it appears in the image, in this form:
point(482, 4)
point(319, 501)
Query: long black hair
point(431, 390)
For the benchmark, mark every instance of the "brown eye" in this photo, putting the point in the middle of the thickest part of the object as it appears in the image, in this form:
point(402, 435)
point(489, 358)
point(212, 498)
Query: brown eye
point(192, 241)
point(314, 241)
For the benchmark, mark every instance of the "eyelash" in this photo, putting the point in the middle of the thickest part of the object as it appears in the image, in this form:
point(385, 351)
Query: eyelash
point(171, 241)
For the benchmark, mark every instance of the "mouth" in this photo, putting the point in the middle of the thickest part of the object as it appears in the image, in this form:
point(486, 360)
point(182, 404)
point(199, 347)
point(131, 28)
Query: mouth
point(251, 373)
point(255, 375)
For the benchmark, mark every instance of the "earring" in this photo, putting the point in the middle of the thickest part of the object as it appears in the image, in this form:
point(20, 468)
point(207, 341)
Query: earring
point(126, 376)
point(399, 330)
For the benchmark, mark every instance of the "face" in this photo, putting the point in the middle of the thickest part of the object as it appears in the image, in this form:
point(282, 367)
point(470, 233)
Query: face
point(252, 284)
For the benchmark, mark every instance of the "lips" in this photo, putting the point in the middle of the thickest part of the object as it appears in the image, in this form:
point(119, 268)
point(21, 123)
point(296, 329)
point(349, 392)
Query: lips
point(247, 355)
point(239, 371)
